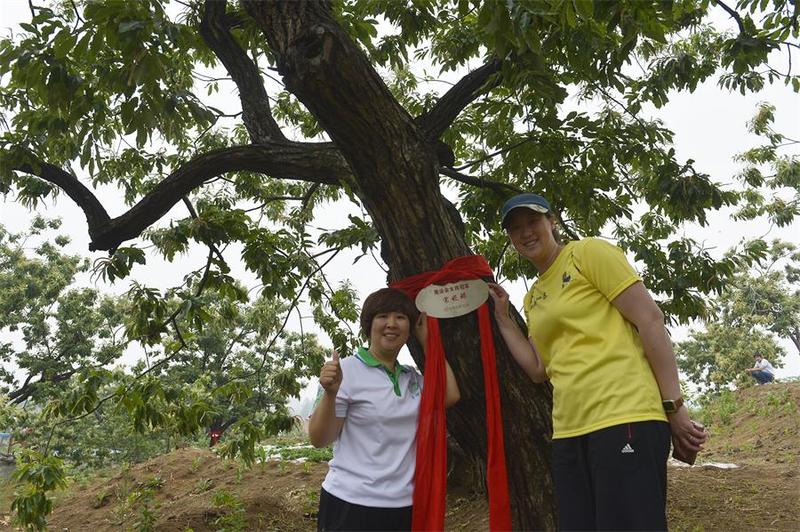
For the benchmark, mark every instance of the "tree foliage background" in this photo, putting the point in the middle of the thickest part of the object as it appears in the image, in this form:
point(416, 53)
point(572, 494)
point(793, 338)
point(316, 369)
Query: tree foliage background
point(135, 98)
point(63, 360)
point(751, 314)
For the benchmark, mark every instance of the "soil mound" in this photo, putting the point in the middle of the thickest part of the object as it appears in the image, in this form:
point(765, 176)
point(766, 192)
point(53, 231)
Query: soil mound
point(757, 428)
point(756, 425)
point(194, 489)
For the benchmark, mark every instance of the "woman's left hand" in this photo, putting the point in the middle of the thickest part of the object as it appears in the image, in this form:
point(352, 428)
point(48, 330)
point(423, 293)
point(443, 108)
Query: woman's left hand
point(421, 330)
point(687, 435)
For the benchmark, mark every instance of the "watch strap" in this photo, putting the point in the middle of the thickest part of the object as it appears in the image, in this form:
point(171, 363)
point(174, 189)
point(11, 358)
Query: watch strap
point(672, 405)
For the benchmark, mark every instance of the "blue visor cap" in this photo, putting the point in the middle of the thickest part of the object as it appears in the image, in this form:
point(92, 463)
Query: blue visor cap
point(533, 202)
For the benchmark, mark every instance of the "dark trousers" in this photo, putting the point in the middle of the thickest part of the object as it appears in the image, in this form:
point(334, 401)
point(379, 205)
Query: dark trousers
point(763, 377)
point(336, 514)
point(613, 478)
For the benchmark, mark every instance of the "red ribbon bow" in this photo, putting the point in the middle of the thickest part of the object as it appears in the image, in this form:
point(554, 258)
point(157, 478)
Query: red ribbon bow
point(430, 476)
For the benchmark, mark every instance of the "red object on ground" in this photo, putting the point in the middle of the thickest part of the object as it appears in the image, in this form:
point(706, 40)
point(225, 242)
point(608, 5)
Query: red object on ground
point(215, 436)
point(430, 477)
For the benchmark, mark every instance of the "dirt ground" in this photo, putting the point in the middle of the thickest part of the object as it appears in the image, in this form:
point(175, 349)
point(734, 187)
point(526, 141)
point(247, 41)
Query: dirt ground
point(762, 436)
point(176, 492)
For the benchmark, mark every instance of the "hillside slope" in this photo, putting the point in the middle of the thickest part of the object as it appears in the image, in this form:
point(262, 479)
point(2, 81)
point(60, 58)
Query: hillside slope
point(756, 428)
point(756, 425)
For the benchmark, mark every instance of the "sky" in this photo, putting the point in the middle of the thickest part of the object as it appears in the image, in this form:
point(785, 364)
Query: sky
point(709, 126)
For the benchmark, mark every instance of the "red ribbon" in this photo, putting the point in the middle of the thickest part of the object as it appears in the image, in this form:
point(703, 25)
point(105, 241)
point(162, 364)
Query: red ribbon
point(430, 476)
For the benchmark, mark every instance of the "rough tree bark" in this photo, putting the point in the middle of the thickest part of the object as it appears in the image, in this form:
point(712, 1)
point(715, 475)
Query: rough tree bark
point(391, 161)
point(395, 170)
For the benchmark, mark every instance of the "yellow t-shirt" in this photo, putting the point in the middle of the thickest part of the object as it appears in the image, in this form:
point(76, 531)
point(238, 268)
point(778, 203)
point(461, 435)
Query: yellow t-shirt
point(593, 355)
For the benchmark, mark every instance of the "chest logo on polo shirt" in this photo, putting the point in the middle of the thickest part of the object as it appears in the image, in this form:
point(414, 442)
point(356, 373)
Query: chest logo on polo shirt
point(565, 279)
point(538, 295)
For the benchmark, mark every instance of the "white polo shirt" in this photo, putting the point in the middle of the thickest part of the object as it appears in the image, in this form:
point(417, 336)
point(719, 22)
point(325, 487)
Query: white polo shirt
point(375, 454)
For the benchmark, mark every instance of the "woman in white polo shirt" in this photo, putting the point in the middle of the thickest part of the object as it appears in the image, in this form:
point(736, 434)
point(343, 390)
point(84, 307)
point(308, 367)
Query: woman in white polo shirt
point(368, 410)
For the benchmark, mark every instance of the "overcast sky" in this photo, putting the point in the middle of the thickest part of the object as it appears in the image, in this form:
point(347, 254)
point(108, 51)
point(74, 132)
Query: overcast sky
point(709, 126)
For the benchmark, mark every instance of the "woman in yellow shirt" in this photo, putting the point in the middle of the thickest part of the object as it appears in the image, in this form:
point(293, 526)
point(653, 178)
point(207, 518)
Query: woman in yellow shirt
point(595, 332)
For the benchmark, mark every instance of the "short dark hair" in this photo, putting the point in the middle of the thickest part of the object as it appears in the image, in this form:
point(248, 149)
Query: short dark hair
point(382, 301)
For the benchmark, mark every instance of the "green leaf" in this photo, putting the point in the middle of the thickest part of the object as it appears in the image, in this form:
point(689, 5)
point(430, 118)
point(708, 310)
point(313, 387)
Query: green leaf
point(63, 43)
point(584, 8)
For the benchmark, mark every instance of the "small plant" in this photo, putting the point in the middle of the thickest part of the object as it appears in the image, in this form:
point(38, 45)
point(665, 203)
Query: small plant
point(36, 475)
point(720, 408)
point(234, 516)
point(282, 468)
point(261, 455)
point(204, 484)
point(146, 518)
point(311, 503)
point(154, 483)
point(240, 471)
point(101, 499)
point(196, 463)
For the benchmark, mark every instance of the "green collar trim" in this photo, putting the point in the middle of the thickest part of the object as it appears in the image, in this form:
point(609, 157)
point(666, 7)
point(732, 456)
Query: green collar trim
point(366, 357)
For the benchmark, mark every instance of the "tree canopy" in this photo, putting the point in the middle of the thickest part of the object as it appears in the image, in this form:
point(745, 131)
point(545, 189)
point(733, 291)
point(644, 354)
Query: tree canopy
point(63, 361)
point(62, 329)
point(125, 91)
point(755, 310)
point(342, 99)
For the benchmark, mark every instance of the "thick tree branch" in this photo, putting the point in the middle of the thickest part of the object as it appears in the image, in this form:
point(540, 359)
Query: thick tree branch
point(19, 395)
point(736, 16)
point(504, 189)
point(318, 163)
point(256, 112)
point(322, 66)
point(435, 121)
point(96, 214)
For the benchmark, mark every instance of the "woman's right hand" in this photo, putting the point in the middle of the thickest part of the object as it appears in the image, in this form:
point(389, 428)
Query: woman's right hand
point(330, 377)
point(520, 347)
point(501, 300)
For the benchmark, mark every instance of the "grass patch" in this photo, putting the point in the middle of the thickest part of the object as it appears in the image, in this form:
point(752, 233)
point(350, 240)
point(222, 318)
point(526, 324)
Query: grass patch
point(232, 515)
point(719, 409)
point(6, 495)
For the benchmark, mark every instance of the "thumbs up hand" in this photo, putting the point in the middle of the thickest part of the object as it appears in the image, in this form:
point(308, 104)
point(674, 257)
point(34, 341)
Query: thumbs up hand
point(330, 377)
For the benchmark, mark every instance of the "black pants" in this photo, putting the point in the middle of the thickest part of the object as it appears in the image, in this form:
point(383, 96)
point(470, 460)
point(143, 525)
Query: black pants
point(613, 478)
point(336, 514)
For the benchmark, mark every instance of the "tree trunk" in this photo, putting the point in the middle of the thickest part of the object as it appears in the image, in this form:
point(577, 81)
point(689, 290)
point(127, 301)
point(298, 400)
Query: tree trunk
point(395, 170)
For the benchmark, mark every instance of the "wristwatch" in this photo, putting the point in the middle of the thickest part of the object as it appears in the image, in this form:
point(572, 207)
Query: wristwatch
point(672, 405)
